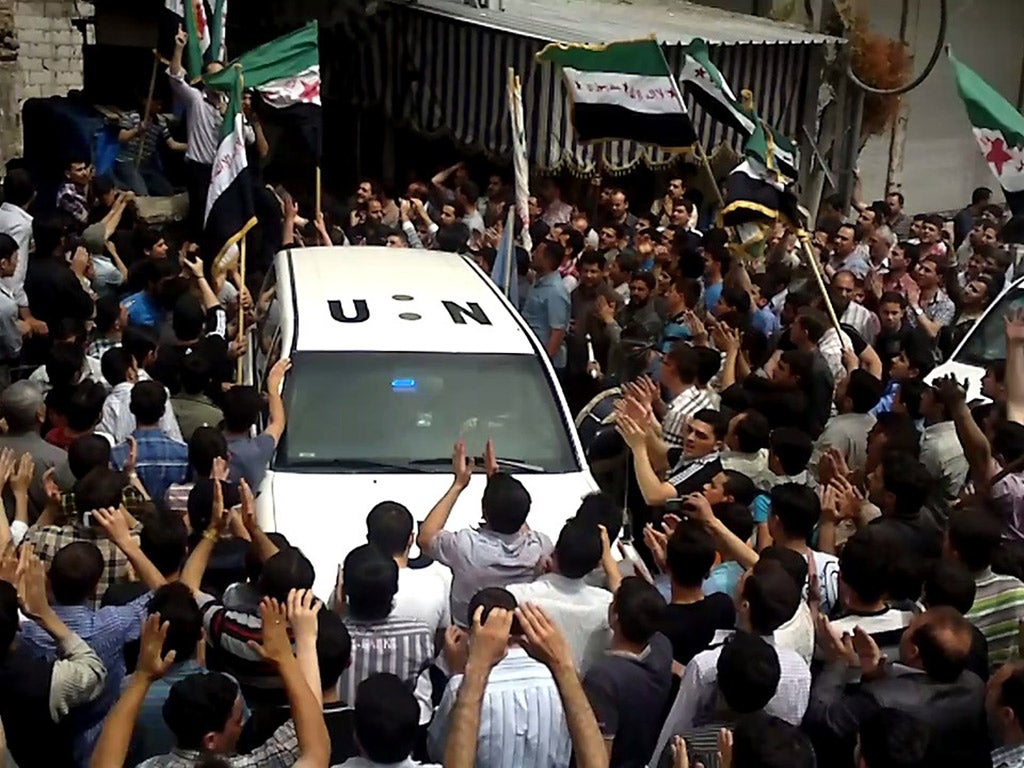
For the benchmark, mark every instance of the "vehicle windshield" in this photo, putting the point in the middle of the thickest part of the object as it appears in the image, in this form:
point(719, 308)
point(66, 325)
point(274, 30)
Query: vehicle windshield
point(395, 412)
point(987, 341)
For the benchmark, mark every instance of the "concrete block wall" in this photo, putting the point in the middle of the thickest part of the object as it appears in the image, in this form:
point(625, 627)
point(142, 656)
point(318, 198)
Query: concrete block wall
point(50, 59)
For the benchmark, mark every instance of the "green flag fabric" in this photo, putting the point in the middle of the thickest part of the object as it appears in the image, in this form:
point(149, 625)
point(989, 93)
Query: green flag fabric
point(703, 80)
point(998, 130)
point(286, 74)
point(622, 91)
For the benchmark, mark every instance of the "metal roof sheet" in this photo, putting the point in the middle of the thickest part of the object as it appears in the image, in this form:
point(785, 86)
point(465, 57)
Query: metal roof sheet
point(602, 21)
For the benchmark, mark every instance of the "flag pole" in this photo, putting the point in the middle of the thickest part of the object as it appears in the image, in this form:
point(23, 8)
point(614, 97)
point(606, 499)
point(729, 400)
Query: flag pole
point(805, 240)
point(318, 192)
point(149, 104)
point(697, 146)
point(240, 371)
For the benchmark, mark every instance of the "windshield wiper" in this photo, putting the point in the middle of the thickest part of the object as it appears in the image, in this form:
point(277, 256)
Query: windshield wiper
point(513, 464)
point(363, 464)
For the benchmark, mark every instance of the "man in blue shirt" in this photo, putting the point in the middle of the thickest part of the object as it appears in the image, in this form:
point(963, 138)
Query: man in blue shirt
point(144, 308)
point(74, 577)
point(160, 460)
point(547, 308)
point(716, 265)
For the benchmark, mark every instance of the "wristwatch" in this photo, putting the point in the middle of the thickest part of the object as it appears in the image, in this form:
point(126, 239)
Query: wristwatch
point(918, 311)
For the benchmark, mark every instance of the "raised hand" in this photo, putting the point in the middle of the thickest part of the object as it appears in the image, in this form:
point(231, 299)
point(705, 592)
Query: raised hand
point(462, 465)
point(276, 648)
point(181, 38)
point(248, 507)
point(303, 608)
point(1013, 323)
point(152, 664)
point(490, 459)
point(542, 639)
point(115, 524)
point(631, 432)
point(21, 479)
point(488, 640)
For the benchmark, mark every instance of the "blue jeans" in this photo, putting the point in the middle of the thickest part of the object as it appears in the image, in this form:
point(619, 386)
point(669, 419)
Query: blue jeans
point(144, 180)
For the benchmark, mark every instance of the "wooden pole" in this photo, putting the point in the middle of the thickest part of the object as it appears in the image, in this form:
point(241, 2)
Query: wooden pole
point(805, 240)
point(149, 103)
point(240, 373)
point(318, 192)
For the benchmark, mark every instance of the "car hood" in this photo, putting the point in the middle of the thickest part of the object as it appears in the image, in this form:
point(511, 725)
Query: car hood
point(324, 515)
point(972, 374)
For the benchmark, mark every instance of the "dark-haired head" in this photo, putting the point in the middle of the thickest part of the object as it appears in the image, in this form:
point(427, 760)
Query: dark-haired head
point(505, 503)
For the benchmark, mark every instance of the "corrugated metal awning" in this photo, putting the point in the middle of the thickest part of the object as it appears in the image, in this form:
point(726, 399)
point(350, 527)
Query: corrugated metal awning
point(602, 21)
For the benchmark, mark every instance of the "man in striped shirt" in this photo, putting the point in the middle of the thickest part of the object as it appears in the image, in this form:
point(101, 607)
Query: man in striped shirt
point(972, 538)
point(381, 641)
point(679, 369)
point(522, 721)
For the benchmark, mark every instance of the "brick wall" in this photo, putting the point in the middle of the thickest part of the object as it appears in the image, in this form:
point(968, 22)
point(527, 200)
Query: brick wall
point(49, 59)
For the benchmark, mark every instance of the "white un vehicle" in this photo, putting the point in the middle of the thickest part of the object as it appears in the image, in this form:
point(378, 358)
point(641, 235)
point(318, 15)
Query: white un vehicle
point(984, 344)
point(396, 354)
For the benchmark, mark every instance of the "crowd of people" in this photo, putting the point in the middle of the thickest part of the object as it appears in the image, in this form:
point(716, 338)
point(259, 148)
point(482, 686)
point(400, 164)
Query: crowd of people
point(820, 564)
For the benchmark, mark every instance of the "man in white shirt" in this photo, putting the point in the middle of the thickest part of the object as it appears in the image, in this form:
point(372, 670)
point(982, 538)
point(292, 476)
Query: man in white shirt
point(579, 610)
point(522, 722)
point(679, 369)
point(862, 320)
point(422, 592)
point(767, 597)
point(16, 222)
point(118, 422)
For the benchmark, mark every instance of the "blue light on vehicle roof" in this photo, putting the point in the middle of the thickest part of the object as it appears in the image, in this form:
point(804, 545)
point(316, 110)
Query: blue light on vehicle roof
point(403, 385)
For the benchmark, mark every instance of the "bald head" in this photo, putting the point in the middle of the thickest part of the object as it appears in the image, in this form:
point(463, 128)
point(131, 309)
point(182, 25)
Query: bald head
point(21, 404)
point(939, 642)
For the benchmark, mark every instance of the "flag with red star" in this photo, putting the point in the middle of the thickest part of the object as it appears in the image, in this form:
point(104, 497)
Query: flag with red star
point(702, 80)
point(286, 74)
point(998, 129)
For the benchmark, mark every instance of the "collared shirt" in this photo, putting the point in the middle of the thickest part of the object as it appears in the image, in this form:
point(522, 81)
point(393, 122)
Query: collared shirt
point(695, 703)
point(753, 465)
point(50, 539)
point(831, 347)
point(547, 309)
point(363, 762)
point(690, 475)
point(522, 723)
point(202, 120)
point(679, 412)
point(280, 751)
point(723, 578)
point(162, 461)
point(579, 610)
point(847, 433)
point(151, 138)
point(91, 371)
point(1008, 757)
point(142, 310)
point(862, 320)
point(400, 646)
point(118, 421)
point(997, 611)
point(939, 309)
point(10, 334)
point(1008, 496)
point(481, 558)
point(106, 631)
point(943, 457)
point(194, 411)
point(18, 224)
point(71, 199)
point(100, 346)
point(425, 594)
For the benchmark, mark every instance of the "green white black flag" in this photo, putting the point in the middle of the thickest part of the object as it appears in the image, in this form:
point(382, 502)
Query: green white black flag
point(703, 80)
point(622, 90)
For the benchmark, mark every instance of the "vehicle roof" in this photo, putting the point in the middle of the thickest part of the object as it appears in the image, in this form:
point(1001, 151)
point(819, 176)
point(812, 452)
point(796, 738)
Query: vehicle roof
point(412, 301)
